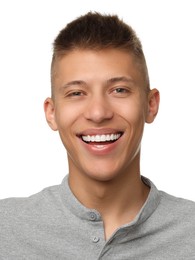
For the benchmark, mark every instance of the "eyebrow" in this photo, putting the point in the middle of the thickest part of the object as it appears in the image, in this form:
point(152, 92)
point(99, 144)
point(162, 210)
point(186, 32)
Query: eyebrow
point(74, 82)
point(118, 79)
point(109, 81)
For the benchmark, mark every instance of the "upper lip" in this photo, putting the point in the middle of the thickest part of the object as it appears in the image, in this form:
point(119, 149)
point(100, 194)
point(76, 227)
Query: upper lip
point(98, 131)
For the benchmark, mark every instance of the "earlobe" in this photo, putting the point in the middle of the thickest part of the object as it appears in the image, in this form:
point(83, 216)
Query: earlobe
point(153, 105)
point(50, 113)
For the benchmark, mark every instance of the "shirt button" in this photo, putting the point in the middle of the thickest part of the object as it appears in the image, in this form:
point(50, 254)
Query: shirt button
point(96, 239)
point(92, 216)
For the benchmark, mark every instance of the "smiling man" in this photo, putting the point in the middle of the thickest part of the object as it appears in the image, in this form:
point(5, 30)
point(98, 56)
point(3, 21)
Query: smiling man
point(104, 208)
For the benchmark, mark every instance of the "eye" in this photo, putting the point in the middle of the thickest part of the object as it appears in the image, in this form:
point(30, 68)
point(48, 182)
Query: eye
point(120, 90)
point(76, 93)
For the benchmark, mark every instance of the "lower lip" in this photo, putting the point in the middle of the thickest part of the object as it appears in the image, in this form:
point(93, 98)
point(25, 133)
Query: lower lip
point(100, 148)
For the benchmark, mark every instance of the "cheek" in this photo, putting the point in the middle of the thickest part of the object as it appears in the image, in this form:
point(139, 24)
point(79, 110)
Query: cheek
point(65, 116)
point(132, 112)
point(65, 121)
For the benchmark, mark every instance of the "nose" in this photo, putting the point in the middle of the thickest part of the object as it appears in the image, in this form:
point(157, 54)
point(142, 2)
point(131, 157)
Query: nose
point(98, 110)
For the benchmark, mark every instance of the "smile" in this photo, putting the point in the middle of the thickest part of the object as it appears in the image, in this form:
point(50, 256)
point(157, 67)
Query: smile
point(101, 138)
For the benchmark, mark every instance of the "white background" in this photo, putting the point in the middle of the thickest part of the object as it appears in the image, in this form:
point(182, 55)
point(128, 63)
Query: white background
point(31, 155)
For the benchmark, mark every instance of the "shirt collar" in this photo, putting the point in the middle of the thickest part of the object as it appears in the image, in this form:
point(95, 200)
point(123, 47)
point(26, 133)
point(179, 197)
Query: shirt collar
point(71, 202)
point(79, 210)
point(150, 204)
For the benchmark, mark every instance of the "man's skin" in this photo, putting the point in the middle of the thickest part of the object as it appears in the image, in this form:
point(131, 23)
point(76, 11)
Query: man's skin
point(102, 95)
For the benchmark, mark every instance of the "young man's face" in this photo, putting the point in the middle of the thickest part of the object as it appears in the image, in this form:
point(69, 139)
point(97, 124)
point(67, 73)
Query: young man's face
point(100, 108)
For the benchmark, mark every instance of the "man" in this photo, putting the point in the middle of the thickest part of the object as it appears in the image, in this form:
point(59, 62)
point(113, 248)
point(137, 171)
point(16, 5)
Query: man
point(104, 209)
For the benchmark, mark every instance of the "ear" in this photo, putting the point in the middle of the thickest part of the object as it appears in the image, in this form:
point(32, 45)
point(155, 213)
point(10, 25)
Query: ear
point(49, 109)
point(153, 105)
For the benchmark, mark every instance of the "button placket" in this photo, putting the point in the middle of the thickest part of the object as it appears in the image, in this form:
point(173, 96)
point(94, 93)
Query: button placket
point(92, 216)
point(95, 239)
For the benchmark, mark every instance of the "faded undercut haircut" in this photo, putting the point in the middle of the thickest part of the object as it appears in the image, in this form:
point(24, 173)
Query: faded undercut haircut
point(95, 31)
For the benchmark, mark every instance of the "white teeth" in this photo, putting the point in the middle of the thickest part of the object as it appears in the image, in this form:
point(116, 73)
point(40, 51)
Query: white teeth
point(100, 138)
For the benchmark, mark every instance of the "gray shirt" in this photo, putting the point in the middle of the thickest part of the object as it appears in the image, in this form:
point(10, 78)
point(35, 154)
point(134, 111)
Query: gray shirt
point(53, 224)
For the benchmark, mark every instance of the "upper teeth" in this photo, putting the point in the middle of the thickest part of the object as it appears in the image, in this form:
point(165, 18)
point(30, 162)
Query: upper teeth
point(100, 138)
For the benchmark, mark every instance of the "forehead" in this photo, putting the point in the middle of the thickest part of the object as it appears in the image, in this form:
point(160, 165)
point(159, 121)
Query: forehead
point(91, 65)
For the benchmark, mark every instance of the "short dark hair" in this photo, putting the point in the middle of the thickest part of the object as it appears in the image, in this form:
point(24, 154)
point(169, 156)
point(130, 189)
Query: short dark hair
point(96, 31)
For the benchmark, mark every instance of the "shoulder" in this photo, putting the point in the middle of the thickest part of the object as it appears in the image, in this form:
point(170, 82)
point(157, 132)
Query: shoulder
point(177, 209)
point(168, 204)
point(11, 208)
point(176, 203)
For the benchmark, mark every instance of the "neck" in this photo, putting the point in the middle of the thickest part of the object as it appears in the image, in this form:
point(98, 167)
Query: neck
point(104, 195)
point(117, 200)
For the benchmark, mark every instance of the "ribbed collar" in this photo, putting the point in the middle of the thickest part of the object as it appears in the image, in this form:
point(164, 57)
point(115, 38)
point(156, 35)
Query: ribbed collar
point(71, 202)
